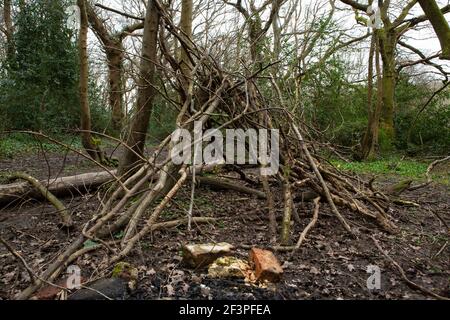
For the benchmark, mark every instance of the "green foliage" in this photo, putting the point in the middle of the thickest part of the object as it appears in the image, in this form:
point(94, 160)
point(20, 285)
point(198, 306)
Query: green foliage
point(40, 91)
point(39, 87)
point(339, 110)
point(90, 244)
point(431, 131)
point(18, 143)
point(386, 166)
point(162, 122)
point(335, 106)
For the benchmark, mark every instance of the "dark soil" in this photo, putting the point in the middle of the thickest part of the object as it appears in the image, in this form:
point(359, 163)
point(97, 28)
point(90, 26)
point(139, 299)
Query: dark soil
point(330, 265)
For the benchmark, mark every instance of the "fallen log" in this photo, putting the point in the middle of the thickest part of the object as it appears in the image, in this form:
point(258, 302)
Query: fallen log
point(222, 184)
point(79, 184)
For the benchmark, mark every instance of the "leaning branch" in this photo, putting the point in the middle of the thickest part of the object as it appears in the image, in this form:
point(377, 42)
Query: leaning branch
point(67, 221)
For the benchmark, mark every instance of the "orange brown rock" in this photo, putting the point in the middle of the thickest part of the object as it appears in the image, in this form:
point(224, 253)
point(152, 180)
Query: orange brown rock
point(267, 267)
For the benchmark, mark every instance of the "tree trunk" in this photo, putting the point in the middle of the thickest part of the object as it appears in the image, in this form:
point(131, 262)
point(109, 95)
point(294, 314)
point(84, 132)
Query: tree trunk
point(387, 47)
point(79, 185)
point(9, 29)
point(370, 141)
point(146, 92)
point(86, 136)
point(440, 25)
point(367, 143)
point(186, 29)
point(115, 57)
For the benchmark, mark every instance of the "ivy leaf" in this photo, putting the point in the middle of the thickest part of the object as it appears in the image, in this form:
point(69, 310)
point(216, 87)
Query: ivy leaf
point(90, 244)
point(119, 235)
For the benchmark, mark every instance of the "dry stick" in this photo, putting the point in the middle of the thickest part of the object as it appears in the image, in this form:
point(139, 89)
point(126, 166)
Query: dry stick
point(98, 292)
point(314, 167)
point(62, 210)
point(322, 182)
point(226, 184)
point(26, 294)
point(36, 280)
point(440, 250)
point(143, 205)
point(288, 204)
point(309, 226)
point(193, 184)
point(151, 221)
point(303, 235)
point(402, 273)
point(19, 258)
point(428, 174)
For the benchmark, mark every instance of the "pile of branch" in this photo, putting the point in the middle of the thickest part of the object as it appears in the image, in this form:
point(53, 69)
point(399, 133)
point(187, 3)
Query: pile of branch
point(236, 102)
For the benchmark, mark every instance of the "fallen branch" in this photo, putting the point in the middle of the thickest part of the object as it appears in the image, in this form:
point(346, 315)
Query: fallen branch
point(303, 235)
point(402, 273)
point(19, 258)
point(221, 184)
point(428, 174)
point(67, 221)
point(310, 225)
point(323, 184)
point(58, 186)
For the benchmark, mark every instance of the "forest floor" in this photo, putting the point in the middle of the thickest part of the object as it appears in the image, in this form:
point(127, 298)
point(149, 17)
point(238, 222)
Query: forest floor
point(330, 264)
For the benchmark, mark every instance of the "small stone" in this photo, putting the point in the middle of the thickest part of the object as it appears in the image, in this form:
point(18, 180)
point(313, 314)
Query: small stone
point(202, 255)
point(228, 267)
point(314, 271)
point(267, 267)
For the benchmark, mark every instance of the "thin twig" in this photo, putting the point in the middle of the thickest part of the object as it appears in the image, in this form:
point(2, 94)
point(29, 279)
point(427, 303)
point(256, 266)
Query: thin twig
point(402, 273)
point(19, 258)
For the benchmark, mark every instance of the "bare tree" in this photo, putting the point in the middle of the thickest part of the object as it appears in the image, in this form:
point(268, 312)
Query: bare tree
point(146, 91)
point(388, 37)
point(115, 54)
point(88, 142)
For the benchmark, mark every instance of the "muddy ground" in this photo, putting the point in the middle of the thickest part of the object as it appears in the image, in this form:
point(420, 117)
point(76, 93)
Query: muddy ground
point(330, 265)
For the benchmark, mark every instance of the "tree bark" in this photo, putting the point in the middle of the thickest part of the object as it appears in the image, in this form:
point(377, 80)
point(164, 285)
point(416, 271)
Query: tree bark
point(115, 56)
point(371, 137)
point(186, 29)
point(146, 93)
point(440, 25)
point(367, 143)
point(86, 136)
point(388, 42)
point(9, 29)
